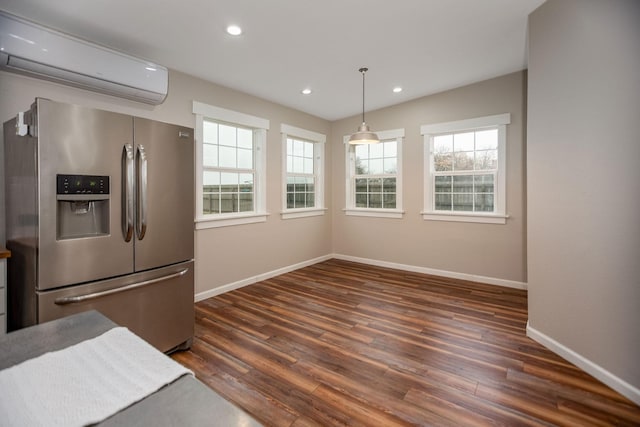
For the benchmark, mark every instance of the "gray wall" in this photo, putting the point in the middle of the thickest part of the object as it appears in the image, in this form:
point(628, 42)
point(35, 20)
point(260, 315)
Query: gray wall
point(234, 254)
point(487, 250)
point(583, 175)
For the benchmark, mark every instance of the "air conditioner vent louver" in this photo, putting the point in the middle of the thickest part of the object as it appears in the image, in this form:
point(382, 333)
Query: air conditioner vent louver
point(30, 49)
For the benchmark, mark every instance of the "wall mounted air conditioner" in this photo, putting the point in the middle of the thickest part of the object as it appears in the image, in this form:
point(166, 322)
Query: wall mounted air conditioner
point(30, 49)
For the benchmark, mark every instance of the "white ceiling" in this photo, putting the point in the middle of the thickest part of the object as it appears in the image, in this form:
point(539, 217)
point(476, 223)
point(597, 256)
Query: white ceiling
point(425, 46)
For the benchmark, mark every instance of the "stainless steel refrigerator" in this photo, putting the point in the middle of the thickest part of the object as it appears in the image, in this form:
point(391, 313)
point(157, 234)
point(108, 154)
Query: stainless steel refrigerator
point(99, 215)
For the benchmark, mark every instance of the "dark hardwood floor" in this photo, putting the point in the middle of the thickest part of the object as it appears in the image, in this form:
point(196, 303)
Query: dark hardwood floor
point(340, 343)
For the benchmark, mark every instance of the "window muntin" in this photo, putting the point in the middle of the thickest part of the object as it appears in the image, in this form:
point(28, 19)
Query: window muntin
point(465, 167)
point(376, 166)
point(374, 176)
point(230, 167)
point(301, 178)
point(302, 172)
point(464, 170)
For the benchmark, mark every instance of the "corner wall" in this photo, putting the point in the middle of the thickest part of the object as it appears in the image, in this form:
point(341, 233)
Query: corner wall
point(491, 253)
point(583, 154)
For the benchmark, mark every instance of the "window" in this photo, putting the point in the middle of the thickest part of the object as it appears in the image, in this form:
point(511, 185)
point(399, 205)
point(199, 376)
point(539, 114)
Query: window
point(230, 178)
point(374, 178)
point(303, 165)
point(465, 164)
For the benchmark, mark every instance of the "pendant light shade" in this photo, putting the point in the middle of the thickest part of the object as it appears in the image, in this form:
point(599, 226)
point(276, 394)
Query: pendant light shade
point(364, 134)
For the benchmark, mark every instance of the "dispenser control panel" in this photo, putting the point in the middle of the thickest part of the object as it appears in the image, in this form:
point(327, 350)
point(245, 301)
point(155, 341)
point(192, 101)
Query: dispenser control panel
point(82, 184)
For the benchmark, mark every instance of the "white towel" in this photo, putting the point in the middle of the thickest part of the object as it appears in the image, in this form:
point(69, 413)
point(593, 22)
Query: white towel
point(85, 383)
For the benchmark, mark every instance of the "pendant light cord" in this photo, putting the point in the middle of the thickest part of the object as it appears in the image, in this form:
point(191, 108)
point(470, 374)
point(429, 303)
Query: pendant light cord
point(363, 70)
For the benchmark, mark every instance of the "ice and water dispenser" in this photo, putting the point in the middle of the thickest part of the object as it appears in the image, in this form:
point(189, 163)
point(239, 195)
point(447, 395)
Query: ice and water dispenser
point(83, 206)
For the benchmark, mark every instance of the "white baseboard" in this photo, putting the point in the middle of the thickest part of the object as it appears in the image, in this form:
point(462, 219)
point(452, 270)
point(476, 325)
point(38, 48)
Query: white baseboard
point(618, 384)
point(435, 272)
point(251, 280)
point(462, 276)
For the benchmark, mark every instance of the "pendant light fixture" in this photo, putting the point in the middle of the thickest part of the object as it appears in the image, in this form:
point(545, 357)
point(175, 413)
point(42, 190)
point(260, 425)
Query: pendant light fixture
point(364, 135)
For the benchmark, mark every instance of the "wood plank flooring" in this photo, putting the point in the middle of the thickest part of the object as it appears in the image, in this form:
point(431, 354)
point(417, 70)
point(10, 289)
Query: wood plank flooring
point(346, 344)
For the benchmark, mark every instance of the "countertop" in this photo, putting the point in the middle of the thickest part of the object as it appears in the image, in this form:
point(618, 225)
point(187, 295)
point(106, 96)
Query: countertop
point(185, 402)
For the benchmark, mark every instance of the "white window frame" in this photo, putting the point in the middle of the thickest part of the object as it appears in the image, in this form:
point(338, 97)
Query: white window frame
point(260, 127)
point(499, 216)
point(318, 141)
point(351, 209)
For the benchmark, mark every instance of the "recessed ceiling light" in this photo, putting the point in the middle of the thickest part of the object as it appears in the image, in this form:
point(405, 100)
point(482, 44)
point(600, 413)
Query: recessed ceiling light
point(306, 91)
point(234, 30)
point(397, 89)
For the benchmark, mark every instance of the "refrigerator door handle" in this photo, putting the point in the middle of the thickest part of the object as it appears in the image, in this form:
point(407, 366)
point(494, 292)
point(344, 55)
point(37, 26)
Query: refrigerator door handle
point(141, 215)
point(127, 192)
point(94, 295)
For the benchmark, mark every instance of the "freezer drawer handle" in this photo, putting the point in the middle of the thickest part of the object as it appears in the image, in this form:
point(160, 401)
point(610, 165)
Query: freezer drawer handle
point(82, 298)
point(141, 219)
point(127, 192)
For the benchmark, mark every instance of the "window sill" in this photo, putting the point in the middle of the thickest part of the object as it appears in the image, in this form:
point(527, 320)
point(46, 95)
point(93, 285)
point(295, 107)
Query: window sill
point(227, 220)
point(302, 213)
point(378, 213)
point(465, 217)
